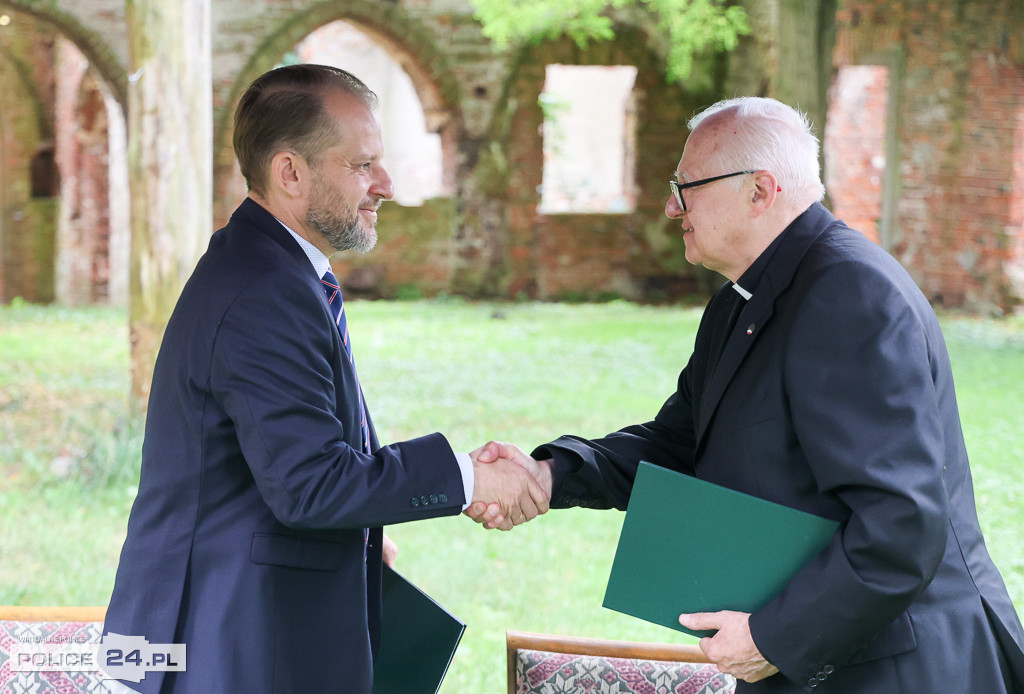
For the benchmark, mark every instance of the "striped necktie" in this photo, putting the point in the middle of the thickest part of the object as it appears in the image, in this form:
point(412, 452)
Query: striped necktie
point(333, 291)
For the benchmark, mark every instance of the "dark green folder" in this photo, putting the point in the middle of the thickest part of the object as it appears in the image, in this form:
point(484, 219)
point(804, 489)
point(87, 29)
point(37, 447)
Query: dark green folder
point(692, 546)
point(417, 641)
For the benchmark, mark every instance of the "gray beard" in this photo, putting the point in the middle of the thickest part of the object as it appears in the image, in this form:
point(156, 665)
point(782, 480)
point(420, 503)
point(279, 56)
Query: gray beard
point(336, 221)
point(341, 233)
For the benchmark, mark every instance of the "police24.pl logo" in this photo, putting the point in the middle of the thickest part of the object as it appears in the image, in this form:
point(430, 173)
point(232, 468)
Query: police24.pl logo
point(129, 658)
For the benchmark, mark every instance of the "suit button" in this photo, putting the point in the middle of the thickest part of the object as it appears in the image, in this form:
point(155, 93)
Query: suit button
point(829, 669)
point(414, 502)
point(443, 498)
point(424, 501)
point(813, 682)
point(433, 498)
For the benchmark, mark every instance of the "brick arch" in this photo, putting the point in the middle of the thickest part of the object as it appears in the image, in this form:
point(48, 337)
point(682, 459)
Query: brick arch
point(24, 133)
point(100, 55)
point(408, 42)
point(23, 74)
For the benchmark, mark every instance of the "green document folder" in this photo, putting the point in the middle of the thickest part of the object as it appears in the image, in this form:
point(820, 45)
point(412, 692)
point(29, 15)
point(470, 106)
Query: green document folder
point(692, 546)
point(417, 641)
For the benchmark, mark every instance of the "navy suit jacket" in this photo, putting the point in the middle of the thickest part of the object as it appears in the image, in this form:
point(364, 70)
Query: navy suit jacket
point(834, 395)
point(246, 541)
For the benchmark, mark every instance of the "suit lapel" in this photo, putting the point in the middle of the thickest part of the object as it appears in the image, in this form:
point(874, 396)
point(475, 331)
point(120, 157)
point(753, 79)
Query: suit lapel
point(756, 315)
point(255, 216)
point(751, 321)
point(261, 220)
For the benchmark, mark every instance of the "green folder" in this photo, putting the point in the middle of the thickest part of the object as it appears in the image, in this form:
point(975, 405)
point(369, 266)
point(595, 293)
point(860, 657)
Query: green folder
point(417, 641)
point(691, 546)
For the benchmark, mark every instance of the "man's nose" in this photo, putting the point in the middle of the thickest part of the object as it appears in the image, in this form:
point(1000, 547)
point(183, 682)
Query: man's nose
point(382, 185)
point(672, 209)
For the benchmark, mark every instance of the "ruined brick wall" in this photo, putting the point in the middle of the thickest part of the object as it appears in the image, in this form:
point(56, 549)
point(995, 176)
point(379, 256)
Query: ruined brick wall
point(1015, 249)
point(28, 178)
point(83, 231)
point(489, 240)
point(855, 146)
point(637, 255)
point(957, 74)
point(480, 240)
point(950, 207)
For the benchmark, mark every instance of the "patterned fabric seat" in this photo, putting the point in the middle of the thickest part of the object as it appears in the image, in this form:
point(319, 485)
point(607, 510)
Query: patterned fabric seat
point(42, 628)
point(597, 668)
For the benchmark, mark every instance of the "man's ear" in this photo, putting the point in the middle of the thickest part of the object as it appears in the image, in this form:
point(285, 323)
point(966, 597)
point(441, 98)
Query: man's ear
point(766, 186)
point(289, 173)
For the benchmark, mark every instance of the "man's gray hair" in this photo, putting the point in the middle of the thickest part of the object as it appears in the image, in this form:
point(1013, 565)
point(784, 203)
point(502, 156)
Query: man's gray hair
point(769, 135)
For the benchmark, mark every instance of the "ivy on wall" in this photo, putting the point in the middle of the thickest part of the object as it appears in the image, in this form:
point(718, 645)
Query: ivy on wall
point(692, 26)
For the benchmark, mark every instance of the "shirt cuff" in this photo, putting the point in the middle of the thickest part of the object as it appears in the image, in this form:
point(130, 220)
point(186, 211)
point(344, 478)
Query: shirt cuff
point(468, 477)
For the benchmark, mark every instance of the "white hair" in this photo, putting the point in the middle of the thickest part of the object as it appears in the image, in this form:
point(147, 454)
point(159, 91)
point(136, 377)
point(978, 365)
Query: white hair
point(767, 135)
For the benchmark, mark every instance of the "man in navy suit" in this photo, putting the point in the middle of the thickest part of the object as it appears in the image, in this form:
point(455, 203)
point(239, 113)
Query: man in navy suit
point(819, 380)
point(256, 535)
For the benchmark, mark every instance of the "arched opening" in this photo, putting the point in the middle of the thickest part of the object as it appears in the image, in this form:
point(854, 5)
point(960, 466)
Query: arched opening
point(93, 235)
point(64, 231)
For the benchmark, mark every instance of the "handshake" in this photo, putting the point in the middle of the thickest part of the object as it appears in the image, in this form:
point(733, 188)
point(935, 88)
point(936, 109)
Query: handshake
point(510, 487)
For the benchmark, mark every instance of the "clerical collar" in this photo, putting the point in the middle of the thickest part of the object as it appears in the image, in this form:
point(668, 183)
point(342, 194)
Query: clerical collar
point(742, 292)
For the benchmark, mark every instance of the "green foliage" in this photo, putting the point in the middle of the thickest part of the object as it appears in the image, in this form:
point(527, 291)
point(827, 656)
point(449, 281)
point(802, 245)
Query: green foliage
point(692, 26)
point(696, 26)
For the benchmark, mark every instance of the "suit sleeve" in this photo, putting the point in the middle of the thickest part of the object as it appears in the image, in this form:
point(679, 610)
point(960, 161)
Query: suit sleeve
point(599, 473)
point(272, 372)
point(865, 412)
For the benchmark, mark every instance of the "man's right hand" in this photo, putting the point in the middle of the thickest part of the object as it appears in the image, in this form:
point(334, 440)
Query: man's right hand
point(492, 513)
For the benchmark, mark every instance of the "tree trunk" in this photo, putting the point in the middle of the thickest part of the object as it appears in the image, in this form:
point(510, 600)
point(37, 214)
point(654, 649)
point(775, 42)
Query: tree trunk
point(806, 37)
point(170, 154)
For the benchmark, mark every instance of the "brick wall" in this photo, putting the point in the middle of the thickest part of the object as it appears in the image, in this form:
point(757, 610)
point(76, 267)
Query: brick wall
point(957, 75)
point(855, 145)
point(949, 206)
point(28, 181)
point(638, 255)
point(83, 232)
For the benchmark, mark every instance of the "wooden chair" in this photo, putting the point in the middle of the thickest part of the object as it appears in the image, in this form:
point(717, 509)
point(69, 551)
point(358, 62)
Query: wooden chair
point(15, 613)
point(54, 625)
point(601, 666)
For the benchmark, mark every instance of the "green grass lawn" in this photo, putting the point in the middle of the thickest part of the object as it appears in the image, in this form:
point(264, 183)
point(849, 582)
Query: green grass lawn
point(518, 372)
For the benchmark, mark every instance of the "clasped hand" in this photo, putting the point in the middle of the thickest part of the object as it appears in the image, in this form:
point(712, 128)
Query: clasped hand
point(511, 488)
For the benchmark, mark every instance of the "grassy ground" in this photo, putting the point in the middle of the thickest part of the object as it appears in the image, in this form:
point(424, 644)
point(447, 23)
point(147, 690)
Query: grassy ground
point(521, 372)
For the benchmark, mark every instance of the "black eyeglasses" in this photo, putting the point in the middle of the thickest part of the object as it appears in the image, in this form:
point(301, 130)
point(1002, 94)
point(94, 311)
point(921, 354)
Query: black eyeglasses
point(678, 188)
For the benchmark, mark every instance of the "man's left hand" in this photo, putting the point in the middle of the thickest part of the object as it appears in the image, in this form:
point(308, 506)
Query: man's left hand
point(732, 649)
